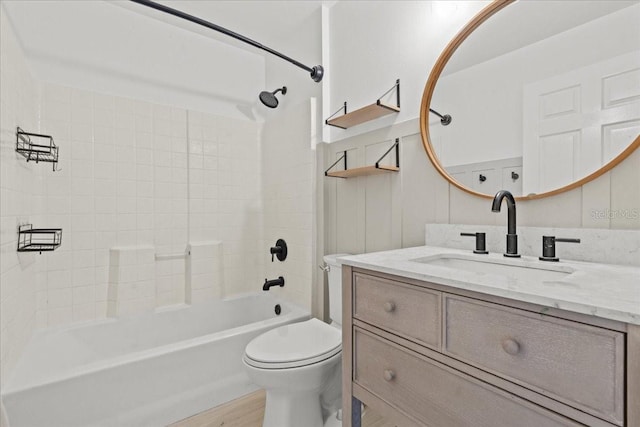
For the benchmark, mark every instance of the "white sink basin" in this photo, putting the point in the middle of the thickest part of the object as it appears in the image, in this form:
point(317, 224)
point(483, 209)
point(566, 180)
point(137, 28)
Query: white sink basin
point(512, 268)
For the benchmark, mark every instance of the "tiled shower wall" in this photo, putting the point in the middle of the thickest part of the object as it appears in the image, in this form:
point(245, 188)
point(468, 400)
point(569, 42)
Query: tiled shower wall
point(224, 194)
point(20, 201)
point(131, 174)
point(288, 190)
point(134, 175)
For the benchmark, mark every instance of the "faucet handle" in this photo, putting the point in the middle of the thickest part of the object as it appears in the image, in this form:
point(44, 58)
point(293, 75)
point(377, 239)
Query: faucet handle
point(279, 250)
point(549, 247)
point(481, 242)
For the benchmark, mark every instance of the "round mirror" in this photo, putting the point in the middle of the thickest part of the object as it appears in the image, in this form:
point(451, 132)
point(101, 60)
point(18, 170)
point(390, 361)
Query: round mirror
point(535, 97)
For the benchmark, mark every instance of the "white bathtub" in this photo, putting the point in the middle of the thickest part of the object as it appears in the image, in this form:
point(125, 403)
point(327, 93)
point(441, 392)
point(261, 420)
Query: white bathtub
point(147, 370)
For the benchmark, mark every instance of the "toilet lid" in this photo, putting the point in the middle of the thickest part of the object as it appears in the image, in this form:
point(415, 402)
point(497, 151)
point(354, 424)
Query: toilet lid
point(296, 344)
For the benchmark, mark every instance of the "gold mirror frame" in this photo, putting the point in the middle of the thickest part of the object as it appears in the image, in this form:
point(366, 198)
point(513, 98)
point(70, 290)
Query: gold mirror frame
point(429, 88)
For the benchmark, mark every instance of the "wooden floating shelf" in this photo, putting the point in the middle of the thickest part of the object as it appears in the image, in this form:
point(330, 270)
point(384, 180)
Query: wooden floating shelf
point(362, 115)
point(363, 171)
point(370, 112)
point(375, 169)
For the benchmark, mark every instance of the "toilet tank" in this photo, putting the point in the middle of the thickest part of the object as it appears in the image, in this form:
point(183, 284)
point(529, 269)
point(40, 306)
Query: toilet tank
point(334, 276)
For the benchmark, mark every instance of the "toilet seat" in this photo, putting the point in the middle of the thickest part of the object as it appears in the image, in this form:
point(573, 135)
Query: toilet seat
point(294, 345)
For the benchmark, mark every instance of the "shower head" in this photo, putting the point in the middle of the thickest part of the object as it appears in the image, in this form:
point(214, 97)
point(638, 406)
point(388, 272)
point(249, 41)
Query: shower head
point(269, 98)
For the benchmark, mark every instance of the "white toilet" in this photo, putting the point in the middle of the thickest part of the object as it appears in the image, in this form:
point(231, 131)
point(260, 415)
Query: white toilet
point(299, 364)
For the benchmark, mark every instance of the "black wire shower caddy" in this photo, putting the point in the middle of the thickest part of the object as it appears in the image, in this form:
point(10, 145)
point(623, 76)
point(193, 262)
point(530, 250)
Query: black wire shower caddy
point(37, 147)
point(38, 239)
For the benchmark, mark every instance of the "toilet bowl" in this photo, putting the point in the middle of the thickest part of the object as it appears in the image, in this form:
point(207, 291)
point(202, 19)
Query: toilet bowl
point(293, 363)
point(299, 364)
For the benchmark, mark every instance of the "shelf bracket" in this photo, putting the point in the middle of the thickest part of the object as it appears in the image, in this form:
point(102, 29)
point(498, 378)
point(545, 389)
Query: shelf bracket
point(396, 145)
point(395, 86)
point(344, 107)
point(344, 156)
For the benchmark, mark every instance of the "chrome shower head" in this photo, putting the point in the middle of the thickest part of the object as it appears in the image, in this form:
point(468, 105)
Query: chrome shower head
point(269, 98)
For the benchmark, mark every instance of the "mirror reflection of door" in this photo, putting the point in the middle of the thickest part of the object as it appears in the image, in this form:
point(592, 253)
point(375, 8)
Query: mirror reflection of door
point(542, 95)
point(578, 121)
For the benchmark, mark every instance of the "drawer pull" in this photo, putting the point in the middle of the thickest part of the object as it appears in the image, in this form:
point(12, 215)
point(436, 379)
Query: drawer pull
point(511, 346)
point(389, 307)
point(389, 375)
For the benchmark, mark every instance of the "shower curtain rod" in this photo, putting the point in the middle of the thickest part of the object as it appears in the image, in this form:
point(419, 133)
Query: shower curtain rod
point(317, 71)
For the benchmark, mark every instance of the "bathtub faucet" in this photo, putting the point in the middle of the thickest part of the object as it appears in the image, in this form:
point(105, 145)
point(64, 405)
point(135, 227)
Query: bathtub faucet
point(275, 282)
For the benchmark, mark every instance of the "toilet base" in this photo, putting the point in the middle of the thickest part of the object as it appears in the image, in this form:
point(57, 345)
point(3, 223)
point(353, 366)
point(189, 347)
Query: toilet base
point(292, 409)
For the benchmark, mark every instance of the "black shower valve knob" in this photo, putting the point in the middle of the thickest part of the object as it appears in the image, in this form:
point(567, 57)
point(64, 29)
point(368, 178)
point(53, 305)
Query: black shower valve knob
point(279, 250)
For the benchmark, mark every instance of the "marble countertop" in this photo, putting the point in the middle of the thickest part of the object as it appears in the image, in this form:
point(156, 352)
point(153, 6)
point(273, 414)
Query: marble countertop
point(601, 290)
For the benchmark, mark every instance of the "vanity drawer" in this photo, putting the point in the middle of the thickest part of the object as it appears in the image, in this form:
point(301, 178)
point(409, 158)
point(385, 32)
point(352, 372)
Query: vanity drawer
point(436, 395)
point(402, 309)
point(577, 364)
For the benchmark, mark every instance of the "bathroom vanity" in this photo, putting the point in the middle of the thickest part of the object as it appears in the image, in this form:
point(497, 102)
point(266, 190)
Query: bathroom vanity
point(442, 337)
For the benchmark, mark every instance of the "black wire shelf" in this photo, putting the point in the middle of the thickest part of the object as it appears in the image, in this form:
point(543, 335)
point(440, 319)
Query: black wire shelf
point(38, 239)
point(37, 147)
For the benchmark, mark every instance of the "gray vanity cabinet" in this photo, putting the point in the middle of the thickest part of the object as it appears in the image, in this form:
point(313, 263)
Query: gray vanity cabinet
point(423, 354)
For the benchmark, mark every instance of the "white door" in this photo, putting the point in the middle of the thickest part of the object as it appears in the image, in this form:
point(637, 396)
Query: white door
point(576, 122)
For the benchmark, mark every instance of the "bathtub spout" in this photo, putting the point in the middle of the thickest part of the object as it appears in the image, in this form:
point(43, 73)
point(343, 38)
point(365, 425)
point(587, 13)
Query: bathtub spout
point(275, 282)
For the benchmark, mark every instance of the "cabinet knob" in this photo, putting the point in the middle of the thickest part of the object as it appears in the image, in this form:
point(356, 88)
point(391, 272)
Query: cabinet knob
point(389, 375)
point(389, 306)
point(511, 346)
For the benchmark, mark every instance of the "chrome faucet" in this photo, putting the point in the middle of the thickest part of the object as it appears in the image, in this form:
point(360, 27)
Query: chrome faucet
point(512, 237)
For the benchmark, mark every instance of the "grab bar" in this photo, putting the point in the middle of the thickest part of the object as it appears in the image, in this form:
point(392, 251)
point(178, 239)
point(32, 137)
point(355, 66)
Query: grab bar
point(175, 255)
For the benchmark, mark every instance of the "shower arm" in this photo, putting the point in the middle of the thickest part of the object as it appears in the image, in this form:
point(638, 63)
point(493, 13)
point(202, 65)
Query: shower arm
point(317, 72)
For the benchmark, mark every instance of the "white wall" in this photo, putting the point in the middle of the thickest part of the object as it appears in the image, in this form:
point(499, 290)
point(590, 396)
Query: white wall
point(305, 46)
point(121, 48)
point(21, 201)
point(373, 43)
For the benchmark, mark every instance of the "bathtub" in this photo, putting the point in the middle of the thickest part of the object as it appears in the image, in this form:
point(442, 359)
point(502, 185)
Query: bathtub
point(147, 370)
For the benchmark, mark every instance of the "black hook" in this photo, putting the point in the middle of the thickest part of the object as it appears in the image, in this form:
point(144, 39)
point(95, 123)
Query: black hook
point(444, 120)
